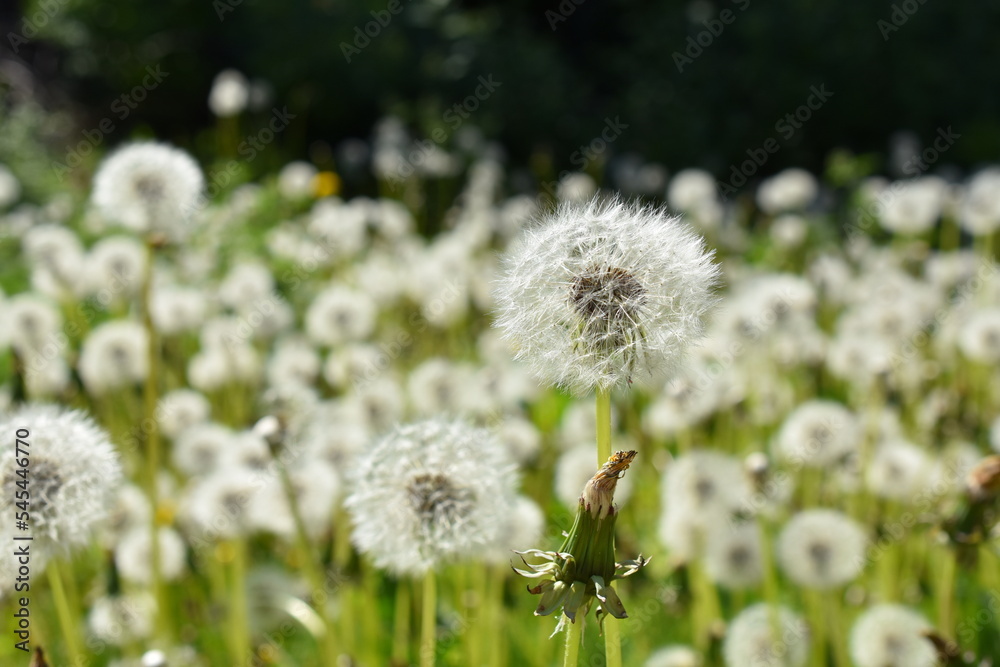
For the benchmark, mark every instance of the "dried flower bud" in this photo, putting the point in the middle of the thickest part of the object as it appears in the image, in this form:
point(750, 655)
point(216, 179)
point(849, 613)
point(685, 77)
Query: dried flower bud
point(584, 567)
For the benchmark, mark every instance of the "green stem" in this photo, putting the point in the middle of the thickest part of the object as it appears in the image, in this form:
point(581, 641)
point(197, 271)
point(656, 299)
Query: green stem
point(238, 600)
point(401, 625)
point(428, 621)
point(150, 397)
point(612, 642)
point(612, 633)
point(946, 592)
point(573, 633)
point(67, 619)
point(309, 562)
point(837, 639)
point(603, 426)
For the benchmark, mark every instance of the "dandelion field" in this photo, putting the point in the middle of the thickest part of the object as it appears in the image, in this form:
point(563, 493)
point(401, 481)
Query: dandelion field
point(289, 421)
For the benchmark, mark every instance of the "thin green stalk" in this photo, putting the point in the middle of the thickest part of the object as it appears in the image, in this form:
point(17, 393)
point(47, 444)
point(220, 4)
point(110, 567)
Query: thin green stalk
point(946, 592)
point(573, 634)
point(151, 427)
point(67, 619)
point(603, 426)
point(612, 633)
point(238, 599)
point(817, 622)
point(612, 642)
point(401, 624)
point(428, 621)
point(837, 639)
point(309, 562)
point(495, 626)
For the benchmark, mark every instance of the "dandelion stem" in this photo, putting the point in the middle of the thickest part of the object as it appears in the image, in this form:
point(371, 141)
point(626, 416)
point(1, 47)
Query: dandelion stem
point(67, 619)
point(150, 397)
point(238, 599)
point(612, 642)
point(612, 633)
point(401, 624)
point(309, 562)
point(945, 592)
point(603, 426)
point(428, 621)
point(573, 632)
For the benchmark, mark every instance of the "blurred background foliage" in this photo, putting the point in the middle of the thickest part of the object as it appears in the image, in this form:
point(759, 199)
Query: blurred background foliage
point(565, 66)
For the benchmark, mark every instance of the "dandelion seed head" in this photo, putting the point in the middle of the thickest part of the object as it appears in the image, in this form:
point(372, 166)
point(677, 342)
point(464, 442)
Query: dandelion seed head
point(134, 555)
point(751, 642)
point(149, 187)
point(818, 433)
point(428, 493)
point(113, 356)
point(889, 635)
point(822, 548)
point(604, 293)
point(75, 473)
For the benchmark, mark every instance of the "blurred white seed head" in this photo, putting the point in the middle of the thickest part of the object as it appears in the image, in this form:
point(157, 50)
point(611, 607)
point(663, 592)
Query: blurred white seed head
point(752, 641)
point(912, 207)
point(74, 474)
point(733, 554)
point(339, 315)
point(113, 356)
point(133, 555)
point(979, 338)
point(149, 187)
point(603, 293)
point(898, 469)
point(818, 433)
point(822, 548)
point(114, 269)
point(181, 409)
point(56, 257)
point(230, 94)
point(790, 190)
point(32, 324)
point(979, 210)
point(705, 483)
point(428, 493)
point(315, 486)
point(176, 309)
point(297, 180)
point(217, 506)
point(674, 656)
point(120, 620)
point(690, 188)
point(889, 635)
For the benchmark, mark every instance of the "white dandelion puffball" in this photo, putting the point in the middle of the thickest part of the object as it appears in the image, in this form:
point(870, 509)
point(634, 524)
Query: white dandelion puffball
point(790, 190)
point(733, 554)
point(74, 473)
point(603, 293)
point(674, 656)
point(752, 641)
point(822, 548)
point(230, 93)
point(339, 315)
point(120, 620)
point(113, 356)
point(149, 187)
point(430, 492)
point(818, 433)
point(133, 555)
point(899, 470)
point(889, 635)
